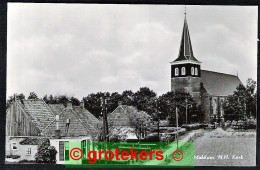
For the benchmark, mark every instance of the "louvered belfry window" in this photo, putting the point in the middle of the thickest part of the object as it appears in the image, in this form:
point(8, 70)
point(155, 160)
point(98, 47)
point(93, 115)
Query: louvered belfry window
point(192, 70)
point(183, 71)
point(176, 71)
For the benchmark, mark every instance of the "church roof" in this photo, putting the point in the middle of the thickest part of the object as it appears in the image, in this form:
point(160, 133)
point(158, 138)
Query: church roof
point(219, 84)
point(185, 52)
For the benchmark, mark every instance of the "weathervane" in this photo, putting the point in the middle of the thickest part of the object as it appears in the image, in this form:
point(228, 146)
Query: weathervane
point(185, 11)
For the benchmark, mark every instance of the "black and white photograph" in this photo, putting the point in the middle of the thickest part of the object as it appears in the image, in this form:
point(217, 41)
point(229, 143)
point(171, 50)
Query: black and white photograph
point(140, 76)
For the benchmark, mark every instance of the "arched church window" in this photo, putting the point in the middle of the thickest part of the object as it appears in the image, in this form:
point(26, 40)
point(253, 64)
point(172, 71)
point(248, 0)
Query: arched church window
point(196, 71)
point(192, 70)
point(176, 71)
point(183, 71)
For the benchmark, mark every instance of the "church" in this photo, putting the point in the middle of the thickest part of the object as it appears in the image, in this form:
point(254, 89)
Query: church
point(208, 88)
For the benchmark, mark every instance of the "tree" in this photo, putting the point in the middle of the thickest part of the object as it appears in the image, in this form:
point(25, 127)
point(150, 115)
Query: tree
point(45, 98)
point(93, 103)
point(196, 114)
point(99, 135)
point(62, 99)
point(53, 100)
point(45, 152)
point(168, 102)
point(143, 99)
point(11, 99)
point(116, 133)
point(112, 101)
point(33, 95)
point(140, 121)
point(127, 97)
point(251, 86)
point(242, 103)
point(20, 96)
point(252, 97)
point(75, 101)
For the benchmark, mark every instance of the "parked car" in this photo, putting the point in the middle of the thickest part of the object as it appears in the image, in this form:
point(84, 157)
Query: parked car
point(152, 137)
point(239, 125)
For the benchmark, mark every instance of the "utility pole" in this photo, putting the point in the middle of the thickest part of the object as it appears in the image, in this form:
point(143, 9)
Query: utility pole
point(106, 124)
point(245, 115)
point(177, 125)
point(104, 113)
point(186, 101)
point(158, 125)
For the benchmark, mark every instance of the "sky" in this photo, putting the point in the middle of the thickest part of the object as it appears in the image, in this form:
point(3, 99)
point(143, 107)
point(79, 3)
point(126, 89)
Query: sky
point(78, 49)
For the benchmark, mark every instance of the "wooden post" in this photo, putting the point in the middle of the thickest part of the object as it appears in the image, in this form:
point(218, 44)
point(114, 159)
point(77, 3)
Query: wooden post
point(106, 124)
point(186, 101)
point(177, 125)
point(104, 119)
point(158, 125)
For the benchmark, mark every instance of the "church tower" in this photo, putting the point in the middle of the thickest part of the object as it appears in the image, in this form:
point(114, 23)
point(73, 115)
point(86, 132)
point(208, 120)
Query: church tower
point(185, 70)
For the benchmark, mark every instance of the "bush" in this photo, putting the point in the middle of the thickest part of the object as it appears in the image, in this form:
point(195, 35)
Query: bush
point(191, 126)
point(26, 161)
point(16, 156)
point(13, 156)
point(153, 137)
point(8, 156)
point(45, 152)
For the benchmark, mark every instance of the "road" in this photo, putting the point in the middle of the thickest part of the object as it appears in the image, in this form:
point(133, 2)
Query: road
point(227, 149)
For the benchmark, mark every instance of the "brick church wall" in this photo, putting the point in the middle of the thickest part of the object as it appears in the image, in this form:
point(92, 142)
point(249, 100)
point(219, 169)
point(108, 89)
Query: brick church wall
point(206, 103)
point(190, 84)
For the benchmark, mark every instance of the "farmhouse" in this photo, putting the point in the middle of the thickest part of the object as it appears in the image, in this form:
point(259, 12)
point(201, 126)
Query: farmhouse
point(120, 121)
point(29, 120)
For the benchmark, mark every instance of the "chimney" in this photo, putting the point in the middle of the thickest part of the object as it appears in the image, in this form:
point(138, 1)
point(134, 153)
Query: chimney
point(57, 121)
point(119, 103)
point(57, 134)
point(67, 127)
point(57, 131)
point(69, 105)
point(82, 104)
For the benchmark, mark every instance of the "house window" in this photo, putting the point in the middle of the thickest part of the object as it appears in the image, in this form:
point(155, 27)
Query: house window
point(14, 146)
point(83, 146)
point(67, 151)
point(88, 145)
point(192, 70)
point(29, 151)
point(196, 71)
point(176, 71)
point(61, 150)
point(183, 71)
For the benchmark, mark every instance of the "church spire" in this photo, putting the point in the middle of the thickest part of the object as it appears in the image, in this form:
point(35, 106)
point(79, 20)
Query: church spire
point(185, 52)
